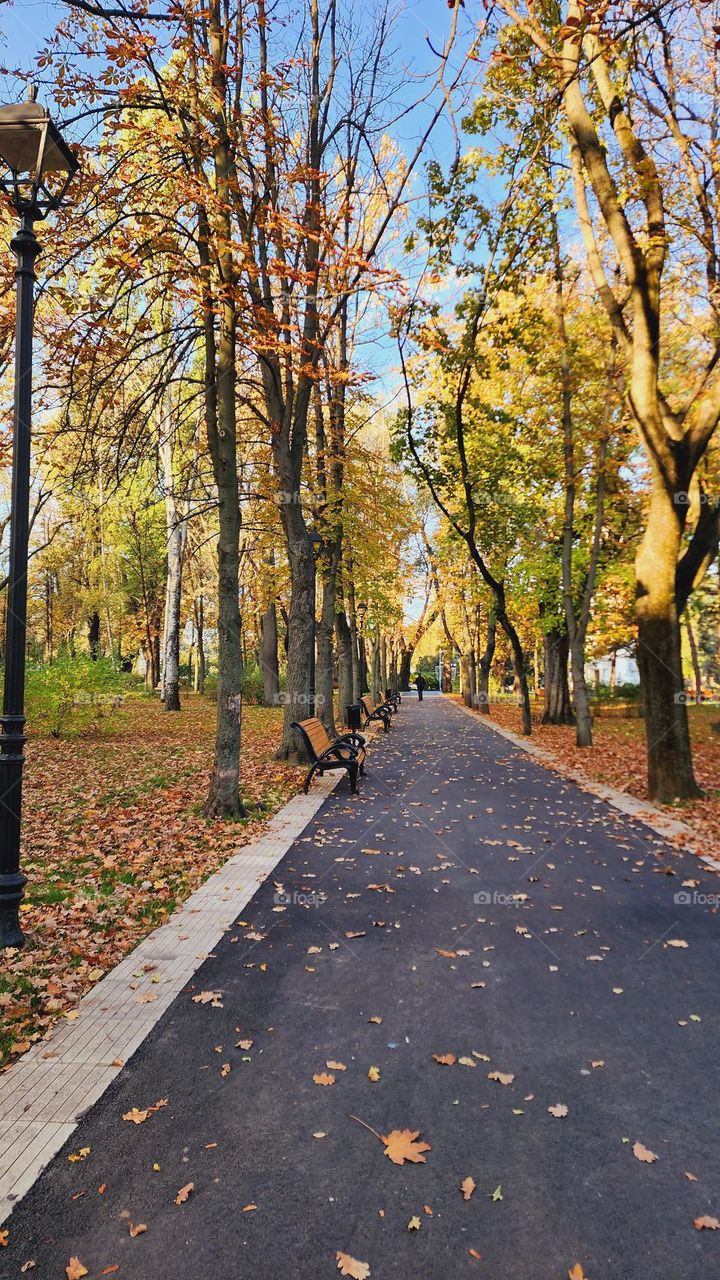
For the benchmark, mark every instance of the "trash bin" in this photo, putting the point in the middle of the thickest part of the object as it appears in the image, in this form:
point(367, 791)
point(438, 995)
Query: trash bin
point(353, 715)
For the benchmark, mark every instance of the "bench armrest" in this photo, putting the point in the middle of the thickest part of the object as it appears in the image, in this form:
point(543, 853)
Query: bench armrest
point(354, 739)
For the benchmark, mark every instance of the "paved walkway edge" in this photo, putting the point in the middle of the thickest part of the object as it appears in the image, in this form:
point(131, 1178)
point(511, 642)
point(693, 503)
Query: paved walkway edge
point(661, 823)
point(44, 1094)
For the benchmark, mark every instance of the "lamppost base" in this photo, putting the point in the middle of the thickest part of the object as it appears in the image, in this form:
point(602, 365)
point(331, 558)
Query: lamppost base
point(11, 935)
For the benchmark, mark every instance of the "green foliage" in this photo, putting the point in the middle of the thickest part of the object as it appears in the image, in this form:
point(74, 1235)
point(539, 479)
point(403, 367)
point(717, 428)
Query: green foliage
point(253, 688)
point(73, 695)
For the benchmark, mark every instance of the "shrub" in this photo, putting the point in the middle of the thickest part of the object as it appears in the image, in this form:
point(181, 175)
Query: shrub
point(71, 695)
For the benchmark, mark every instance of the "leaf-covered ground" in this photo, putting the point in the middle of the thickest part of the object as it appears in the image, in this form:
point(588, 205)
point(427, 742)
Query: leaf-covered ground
point(114, 840)
point(617, 758)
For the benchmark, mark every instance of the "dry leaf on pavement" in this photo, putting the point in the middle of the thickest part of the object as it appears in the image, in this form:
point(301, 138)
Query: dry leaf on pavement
point(348, 1266)
point(184, 1192)
point(402, 1145)
point(706, 1224)
point(467, 1186)
point(75, 1269)
point(641, 1153)
point(323, 1078)
point(502, 1077)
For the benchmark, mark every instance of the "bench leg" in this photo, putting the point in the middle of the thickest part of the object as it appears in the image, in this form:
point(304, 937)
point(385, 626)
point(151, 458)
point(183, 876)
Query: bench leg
point(352, 769)
point(308, 779)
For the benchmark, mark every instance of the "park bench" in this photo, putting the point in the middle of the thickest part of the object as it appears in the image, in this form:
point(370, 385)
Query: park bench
point(346, 752)
point(392, 700)
point(380, 713)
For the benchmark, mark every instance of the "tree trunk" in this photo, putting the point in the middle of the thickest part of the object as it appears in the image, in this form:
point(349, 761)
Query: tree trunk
point(269, 656)
point(471, 677)
point(199, 675)
point(405, 665)
point(325, 635)
point(223, 800)
point(171, 683)
point(301, 628)
point(556, 699)
point(694, 659)
point(94, 635)
point(485, 666)
point(345, 664)
point(670, 769)
point(581, 695)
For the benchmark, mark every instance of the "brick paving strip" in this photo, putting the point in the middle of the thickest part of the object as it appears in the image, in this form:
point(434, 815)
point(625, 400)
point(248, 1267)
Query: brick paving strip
point(45, 1093)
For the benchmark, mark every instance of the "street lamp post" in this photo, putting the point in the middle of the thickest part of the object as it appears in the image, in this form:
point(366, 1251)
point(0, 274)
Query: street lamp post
point(38, 168)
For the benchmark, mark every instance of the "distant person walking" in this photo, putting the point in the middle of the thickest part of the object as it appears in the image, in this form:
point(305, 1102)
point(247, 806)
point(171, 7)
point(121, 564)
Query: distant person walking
point(420, 684)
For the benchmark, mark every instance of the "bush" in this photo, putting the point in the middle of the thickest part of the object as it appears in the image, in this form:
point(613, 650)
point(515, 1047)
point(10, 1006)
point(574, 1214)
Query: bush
point(253, 686)
point(72, 695)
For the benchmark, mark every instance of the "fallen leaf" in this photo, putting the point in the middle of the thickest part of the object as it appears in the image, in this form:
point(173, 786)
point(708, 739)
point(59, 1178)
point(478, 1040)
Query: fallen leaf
point(374, 1074)
point(348, 1266)
point(497, 1193)
point(208, 997)
point(75, 1269)
point(184, 1192)
point(243, 1044)
point(447, 955)
point(249, 1208)
point(559, 1110)
point(323, 1078)
point(375, 1019)
point(706, 1224)
point(690, 1176)
point(501, 1077)
point(402, 1145)
point(467, 1186)
point(675, 942)
point(414, 1224)
point(641, 1153)
point(445, 1059)
point(336, 1066)
point(577, 1273)
point(138, 1230)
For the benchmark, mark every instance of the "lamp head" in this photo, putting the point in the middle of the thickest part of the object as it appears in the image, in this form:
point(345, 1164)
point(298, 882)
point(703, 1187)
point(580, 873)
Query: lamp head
point(36, 164)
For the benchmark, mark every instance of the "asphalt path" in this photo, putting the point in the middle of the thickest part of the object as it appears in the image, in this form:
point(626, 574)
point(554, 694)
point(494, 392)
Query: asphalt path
point(469, 904)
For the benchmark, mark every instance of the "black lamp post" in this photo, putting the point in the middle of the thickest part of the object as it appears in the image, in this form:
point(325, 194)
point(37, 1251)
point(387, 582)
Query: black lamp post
point(38, 166)
point(316, 543)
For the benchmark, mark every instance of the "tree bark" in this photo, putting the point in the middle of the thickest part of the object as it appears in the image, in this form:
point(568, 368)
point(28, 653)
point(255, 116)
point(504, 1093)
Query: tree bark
point(269, 656)
point(556, 694)
point(199, 680)
point(345, 663)
point(485, 665)
point(670, 769)
point(94, 635)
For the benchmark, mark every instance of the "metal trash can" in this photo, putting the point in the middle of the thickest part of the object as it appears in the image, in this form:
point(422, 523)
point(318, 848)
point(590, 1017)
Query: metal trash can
point(353, 715)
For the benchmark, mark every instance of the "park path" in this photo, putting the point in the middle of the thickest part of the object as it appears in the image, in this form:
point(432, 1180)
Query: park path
point(402, 937)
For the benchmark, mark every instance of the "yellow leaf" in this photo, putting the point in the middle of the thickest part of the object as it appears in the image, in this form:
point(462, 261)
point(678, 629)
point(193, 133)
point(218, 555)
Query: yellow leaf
point(348, 1266)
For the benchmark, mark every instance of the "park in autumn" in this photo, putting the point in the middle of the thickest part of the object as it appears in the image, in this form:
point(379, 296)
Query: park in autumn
point(360, 639)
